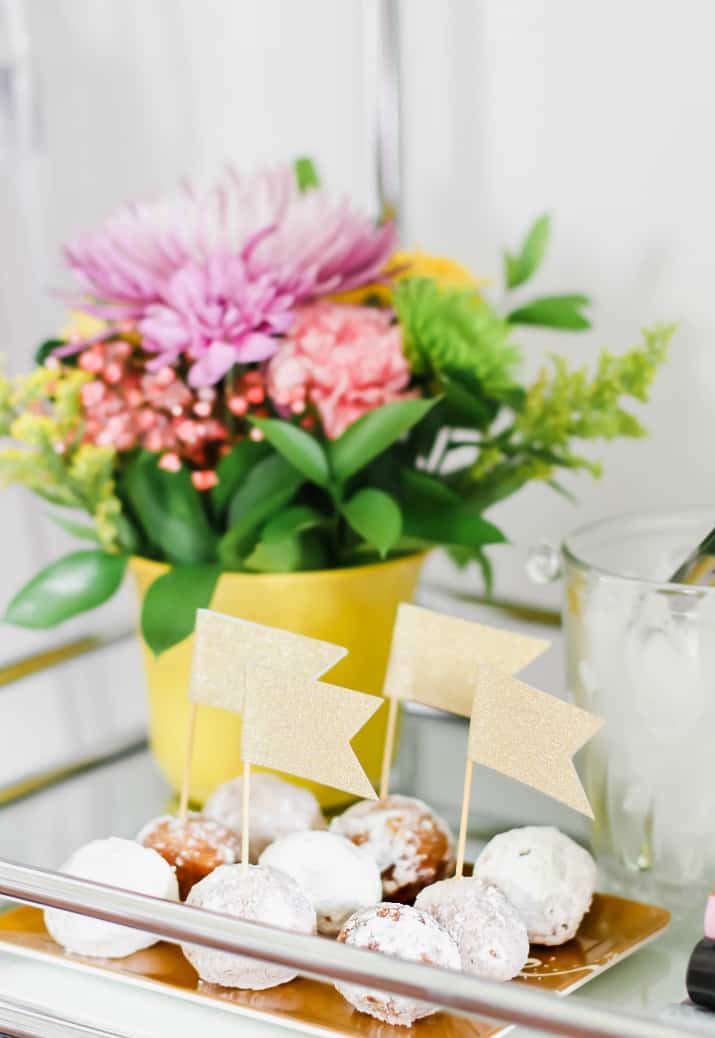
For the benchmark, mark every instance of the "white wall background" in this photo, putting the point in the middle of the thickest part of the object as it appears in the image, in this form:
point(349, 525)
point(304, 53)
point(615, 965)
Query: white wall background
point(603, 113)
point(599, 111)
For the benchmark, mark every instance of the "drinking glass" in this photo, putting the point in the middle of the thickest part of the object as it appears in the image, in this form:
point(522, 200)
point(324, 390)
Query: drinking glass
point(640, 653)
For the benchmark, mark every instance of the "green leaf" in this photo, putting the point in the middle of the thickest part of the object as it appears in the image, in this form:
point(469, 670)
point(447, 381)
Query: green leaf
point(85, 533)
point(45, 349)
point(232, 470)
point(451, 526)
point(306, 174)
point(553, 312)
point(462, 556)
point(485, 564)
point(280, 557)
point(303, 552)
point(412, 545)
point(376, 517)
point(268, 487)
point(505, 482)
point(561, 489)
point(170, 511)
point(270, 480)
point(290, 522)
point(298, 447)
point(169, 611)
point(129, 538)
point(518, 269)
point(314, 552)
point(63, 589)
point(374, 433)
point(465, 406)
point(515, 398)
point(429, 488)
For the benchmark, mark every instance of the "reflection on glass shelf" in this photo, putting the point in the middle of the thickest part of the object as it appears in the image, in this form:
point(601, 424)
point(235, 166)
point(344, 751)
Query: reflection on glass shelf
point(75, 711)
point(113, 799)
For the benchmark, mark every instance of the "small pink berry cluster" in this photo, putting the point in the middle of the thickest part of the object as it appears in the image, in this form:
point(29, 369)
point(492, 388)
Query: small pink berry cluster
point(127, 406)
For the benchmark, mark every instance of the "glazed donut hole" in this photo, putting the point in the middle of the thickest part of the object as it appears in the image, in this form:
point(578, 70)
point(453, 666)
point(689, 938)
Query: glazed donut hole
point(411, 845)
point(194, 846)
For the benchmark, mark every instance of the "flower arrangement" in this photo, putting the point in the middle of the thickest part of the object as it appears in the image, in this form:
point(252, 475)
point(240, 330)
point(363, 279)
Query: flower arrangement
point(257, 379)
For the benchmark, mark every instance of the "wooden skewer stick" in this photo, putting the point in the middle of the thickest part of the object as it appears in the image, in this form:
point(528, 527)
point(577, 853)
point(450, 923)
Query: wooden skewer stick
point(389, 747)
point(246, 817)
point(186, 779)
point(464, 820)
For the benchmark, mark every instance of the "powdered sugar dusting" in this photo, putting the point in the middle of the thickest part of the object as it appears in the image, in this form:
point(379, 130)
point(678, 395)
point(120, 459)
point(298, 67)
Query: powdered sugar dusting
point(261, 895)
point(548, 878)
point(277, 809)
point(402, 932)
point(485, 926)
point(194, 846)
point(118, 863)
point(339, 877)
point(410, 843)
point(191, 837)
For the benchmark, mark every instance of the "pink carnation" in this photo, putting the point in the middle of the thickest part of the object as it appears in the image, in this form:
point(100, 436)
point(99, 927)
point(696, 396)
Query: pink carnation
point(345, 360)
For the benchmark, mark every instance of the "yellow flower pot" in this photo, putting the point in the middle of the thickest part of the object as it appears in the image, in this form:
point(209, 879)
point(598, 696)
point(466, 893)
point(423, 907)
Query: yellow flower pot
point(354, 608)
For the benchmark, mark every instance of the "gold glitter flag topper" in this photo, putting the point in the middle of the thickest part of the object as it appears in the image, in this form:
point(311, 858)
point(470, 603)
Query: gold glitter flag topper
point(291, 721)
point(225, 645)
point(434, 657)
point(303, 726)
point(530, 736)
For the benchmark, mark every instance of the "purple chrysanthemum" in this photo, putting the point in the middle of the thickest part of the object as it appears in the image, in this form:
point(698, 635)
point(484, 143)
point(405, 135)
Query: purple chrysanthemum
point(216, 314)
point(308, 244)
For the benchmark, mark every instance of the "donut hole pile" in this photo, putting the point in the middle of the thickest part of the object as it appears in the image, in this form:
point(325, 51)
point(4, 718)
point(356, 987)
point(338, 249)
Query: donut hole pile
point(356, 881)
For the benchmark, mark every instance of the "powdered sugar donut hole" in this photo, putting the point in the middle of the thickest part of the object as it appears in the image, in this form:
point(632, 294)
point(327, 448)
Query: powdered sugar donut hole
point(411, 845)
point(485, 926)
point(339, 877)
point(260, 895)
point(277, 809)
point(118, 863)
point(404, 933)
point(194, 846)
point(548, 878)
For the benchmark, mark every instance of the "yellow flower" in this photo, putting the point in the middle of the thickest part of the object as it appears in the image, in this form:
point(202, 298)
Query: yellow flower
point(36, 430)
point(412, 264)
point(445, 271)
point(82, 326)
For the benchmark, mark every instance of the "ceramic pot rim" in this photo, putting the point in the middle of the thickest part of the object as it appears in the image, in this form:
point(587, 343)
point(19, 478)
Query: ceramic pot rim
point(140, 562)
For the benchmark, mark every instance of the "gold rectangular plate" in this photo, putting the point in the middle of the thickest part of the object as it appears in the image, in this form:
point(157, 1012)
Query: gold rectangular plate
point(613, 929)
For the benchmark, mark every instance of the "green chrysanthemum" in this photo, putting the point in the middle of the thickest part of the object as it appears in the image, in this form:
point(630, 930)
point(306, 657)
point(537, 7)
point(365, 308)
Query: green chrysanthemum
point(453, 332)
